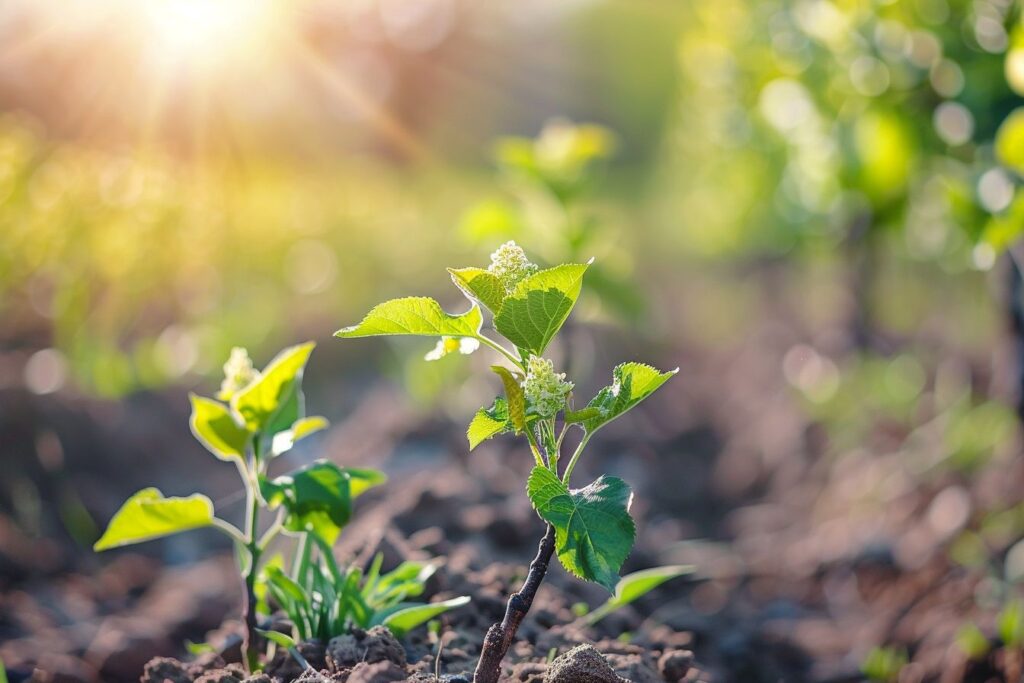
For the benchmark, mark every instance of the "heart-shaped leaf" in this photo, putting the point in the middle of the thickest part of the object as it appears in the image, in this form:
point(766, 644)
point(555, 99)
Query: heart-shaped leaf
point(532, 314)
point(593, 530)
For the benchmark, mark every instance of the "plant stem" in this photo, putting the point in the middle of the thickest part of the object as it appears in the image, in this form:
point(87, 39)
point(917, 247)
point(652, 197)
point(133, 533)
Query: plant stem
point(253, 546)
point(502, 350)
point(575, 456)
point(500, 636)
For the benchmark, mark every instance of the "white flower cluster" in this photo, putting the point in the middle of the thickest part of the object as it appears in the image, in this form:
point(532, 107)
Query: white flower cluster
point(510, 264)
point(238, 373)
point(546, 391)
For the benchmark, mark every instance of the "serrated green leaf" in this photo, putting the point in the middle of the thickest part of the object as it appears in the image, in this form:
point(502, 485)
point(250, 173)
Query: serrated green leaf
point(532, 314)
point(489, 422)
point(514, 398)
point(415, 315)
point(634, 586)
point(148, 515)
point(631, 383)
point(593, 530)
point(273, 402)
point(408, 618)
point(303, 427)
point(215, 427)
point(480, 285)
point(317, 497)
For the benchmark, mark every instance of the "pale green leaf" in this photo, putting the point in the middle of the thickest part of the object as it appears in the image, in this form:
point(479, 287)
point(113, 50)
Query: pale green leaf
point(532, 314)
point(148, 515)
point(480, 285)
point(593, 530)
point(361, 480)
point(280, 639)
point(631, 383)
point(273, 402)
point(514, 398)
point(303, 427)
point(415, 315)
point(634, 586)
point(408, 618)
point(215, 427)
point(1009, 141)
point(488, 422)
point(582, 415)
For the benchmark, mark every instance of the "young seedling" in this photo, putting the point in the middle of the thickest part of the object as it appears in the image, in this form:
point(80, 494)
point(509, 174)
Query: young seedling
point(589, 528)
point(259, 416)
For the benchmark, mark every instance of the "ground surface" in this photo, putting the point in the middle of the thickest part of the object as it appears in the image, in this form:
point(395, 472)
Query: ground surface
point(806, 558)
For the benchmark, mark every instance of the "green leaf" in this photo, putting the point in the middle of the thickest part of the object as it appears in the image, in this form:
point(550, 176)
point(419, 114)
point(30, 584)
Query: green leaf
point(480, 285)
point(360, 480)
point(515, 401)
point(277, 577)
point(318, 499)
point(532, 314)
point(303, 427)
point(148, 515)
point(1010, 624)
point(633, 586)
point(3, 673)
point(215, 427)
point(415, 315)
point(404, 620)
point(631, 383)
point(489, 422)
point(577, 416)
point(194, 649)
point(278, 638)
point(1009, 141)
point(273, 402)
point(593, 530)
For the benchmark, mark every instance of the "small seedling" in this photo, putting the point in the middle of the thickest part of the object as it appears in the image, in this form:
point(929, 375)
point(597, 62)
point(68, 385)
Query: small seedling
point(259, 416)
point(589, 528)
point(632, 587)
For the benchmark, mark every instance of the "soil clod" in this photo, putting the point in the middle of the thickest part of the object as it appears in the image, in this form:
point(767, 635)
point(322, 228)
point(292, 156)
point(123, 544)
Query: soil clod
point(582, 663)
point(375, 645)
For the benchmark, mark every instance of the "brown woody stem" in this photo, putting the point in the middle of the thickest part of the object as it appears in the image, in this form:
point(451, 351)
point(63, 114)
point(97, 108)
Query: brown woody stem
point(500, 636)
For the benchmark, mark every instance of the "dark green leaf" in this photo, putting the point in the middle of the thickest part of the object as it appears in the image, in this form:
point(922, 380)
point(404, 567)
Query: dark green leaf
point(593, 530)
point(318, 499)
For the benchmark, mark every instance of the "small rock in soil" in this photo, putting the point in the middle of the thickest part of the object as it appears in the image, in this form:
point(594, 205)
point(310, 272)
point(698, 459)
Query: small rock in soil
point(165, 670)
point(284, 666)
point(375, 645)
point(228, 675)
point(206, 662)
point(582, 663)
point(674, 665)
point(632, 667)
point(259, 678)
point(529, 672)
point(379, 672)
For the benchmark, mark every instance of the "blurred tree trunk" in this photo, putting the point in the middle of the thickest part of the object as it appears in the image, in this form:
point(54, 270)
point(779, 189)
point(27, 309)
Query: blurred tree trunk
point(861, 257)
